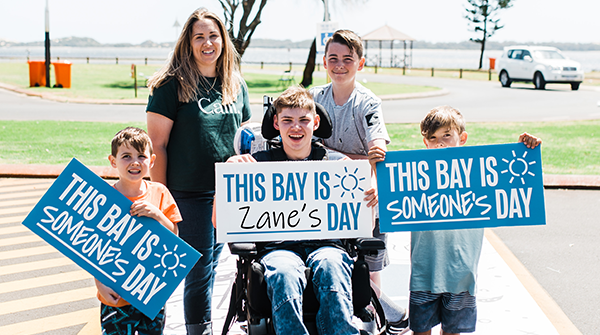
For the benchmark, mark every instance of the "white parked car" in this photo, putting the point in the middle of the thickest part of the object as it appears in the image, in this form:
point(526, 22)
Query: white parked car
point(539, 65)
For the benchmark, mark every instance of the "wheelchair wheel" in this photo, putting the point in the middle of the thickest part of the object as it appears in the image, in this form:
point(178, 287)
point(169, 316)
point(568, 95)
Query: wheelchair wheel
point(260, 328)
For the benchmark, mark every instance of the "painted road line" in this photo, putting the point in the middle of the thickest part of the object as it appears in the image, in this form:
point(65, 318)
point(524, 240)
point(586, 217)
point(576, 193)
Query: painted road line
point(25, 181)
point(19, 189)
point(15, 306)
point(24, 187)
point(20, 240)
point(20, 202)
point(52, 322)
point(12, 219)
point(34, 266)
point(555, 314)
point(21, 194)
point(26, 284)
point(35, 251)
point(13, 230)
point(93, 326)
point(16, 210)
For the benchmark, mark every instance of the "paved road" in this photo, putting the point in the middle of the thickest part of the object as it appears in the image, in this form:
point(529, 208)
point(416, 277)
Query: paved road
point(485, 101)
point(480, 101)
point(564, 256)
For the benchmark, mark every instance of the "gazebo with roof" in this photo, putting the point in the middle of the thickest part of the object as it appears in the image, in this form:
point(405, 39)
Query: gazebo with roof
point(387, 33)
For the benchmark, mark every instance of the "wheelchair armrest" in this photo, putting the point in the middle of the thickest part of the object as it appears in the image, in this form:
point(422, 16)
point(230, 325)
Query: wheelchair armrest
point(243, 249)
point(369, 244)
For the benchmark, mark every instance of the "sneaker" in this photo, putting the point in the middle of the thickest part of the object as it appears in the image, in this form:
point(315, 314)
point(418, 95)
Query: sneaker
point(397, 328)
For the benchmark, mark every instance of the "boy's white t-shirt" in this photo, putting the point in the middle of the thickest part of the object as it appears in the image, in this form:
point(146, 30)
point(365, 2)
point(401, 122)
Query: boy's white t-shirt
point(356, 123)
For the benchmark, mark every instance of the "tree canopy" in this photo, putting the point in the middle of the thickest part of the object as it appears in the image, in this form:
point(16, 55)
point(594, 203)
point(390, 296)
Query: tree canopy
point(483, 18)
point(248, 22)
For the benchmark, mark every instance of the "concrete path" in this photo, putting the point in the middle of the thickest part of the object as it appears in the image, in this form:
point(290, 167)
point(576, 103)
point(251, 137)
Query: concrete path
point(43, 291)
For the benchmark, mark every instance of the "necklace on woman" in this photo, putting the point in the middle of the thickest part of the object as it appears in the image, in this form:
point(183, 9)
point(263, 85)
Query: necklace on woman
point(211, 87)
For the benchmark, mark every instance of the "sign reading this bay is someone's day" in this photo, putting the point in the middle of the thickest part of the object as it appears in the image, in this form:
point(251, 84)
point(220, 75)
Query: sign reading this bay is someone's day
point(463, 187)
point(273, 201)
point(88, 221)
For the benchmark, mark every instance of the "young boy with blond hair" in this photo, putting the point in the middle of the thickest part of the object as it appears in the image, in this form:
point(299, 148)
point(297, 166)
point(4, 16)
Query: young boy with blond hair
point(444, 262)
point(132, 156)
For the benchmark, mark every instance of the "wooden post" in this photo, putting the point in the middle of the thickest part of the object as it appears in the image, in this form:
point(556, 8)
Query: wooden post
point(261, 65)
point(460, 73)
point(87, 59)
point(432, 72)
point(117, 60)
point(490, 74)
point(146, 61)
point(290, 66)
point(404, 70)
point(134, 75)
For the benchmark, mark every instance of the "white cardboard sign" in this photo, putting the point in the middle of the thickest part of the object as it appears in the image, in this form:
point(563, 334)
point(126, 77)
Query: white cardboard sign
point(274, 201)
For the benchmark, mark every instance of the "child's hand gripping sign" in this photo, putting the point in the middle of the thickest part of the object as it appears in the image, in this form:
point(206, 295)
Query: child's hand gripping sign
point(88, 221)
point(461, 187)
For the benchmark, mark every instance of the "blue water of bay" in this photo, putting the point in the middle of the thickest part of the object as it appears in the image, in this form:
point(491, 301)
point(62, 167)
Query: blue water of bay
point(421, 58)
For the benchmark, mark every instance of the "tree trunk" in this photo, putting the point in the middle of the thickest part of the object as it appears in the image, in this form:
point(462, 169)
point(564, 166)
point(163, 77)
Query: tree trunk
point(481, 55)
point(309, 68)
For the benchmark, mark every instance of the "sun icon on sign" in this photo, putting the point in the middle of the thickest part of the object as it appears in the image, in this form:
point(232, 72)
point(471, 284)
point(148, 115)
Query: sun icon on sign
point(518, 167)
point(169, 261)
point(349, 182)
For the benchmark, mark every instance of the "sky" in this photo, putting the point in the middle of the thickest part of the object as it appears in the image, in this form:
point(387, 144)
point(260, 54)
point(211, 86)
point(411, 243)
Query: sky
point(136, 21)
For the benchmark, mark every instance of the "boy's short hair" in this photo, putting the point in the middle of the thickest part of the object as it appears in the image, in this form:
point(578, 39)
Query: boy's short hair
point(442, 116)
point(131, 136)
point(347, 38)
point(295, 97)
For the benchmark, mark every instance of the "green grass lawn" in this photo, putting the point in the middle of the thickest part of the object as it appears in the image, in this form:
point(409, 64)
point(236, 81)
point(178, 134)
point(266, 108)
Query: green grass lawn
point(568, 147)
point(112, 81)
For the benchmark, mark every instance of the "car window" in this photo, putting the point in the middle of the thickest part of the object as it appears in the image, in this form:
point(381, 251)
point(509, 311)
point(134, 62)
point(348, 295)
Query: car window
point(525, 53)
point(516, 54)
point(548, 54)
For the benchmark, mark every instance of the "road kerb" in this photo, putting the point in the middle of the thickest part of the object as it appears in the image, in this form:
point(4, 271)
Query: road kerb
point(555, 314)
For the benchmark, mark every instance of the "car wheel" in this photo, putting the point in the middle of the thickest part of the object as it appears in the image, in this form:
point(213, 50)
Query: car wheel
point(505, 79)
point(538, 81)
point(575, 86)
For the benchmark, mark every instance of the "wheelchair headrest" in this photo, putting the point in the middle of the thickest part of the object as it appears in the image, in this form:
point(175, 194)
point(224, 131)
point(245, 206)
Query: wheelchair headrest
point(269, 132)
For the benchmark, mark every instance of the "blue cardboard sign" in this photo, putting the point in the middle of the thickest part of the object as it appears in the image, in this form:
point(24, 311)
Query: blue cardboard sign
point(88, 221)
point(461, 187)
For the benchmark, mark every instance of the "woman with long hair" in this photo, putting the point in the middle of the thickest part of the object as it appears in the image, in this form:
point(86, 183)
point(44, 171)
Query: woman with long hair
point(197, 102)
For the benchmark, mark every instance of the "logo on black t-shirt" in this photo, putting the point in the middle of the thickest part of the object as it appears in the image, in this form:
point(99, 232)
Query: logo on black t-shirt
point(208, 107)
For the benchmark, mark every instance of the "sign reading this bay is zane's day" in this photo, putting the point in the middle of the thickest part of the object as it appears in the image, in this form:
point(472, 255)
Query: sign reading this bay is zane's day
point(272, 201)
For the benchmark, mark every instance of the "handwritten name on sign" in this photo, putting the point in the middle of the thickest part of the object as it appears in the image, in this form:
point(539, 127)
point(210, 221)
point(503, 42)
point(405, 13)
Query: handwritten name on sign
point(463, 187)
point(88, 221)
point(273, 201)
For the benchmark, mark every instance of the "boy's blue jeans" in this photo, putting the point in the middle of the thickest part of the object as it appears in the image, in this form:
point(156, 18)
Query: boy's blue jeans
point(286, 281)
point(197, 230)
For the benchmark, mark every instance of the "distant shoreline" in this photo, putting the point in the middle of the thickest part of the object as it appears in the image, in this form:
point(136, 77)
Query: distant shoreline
point(283, 44)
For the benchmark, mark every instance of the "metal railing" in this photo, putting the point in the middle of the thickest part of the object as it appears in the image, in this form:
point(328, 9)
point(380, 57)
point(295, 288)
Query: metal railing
point(289, 65)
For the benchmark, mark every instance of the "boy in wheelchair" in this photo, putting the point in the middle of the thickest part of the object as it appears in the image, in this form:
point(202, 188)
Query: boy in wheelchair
point(293, 115)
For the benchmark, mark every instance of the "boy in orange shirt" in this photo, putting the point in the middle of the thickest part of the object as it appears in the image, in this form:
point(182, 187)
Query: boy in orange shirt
point(132, 156)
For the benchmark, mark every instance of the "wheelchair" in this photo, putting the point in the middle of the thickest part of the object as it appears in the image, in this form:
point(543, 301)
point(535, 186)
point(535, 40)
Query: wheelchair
point(249, 301)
